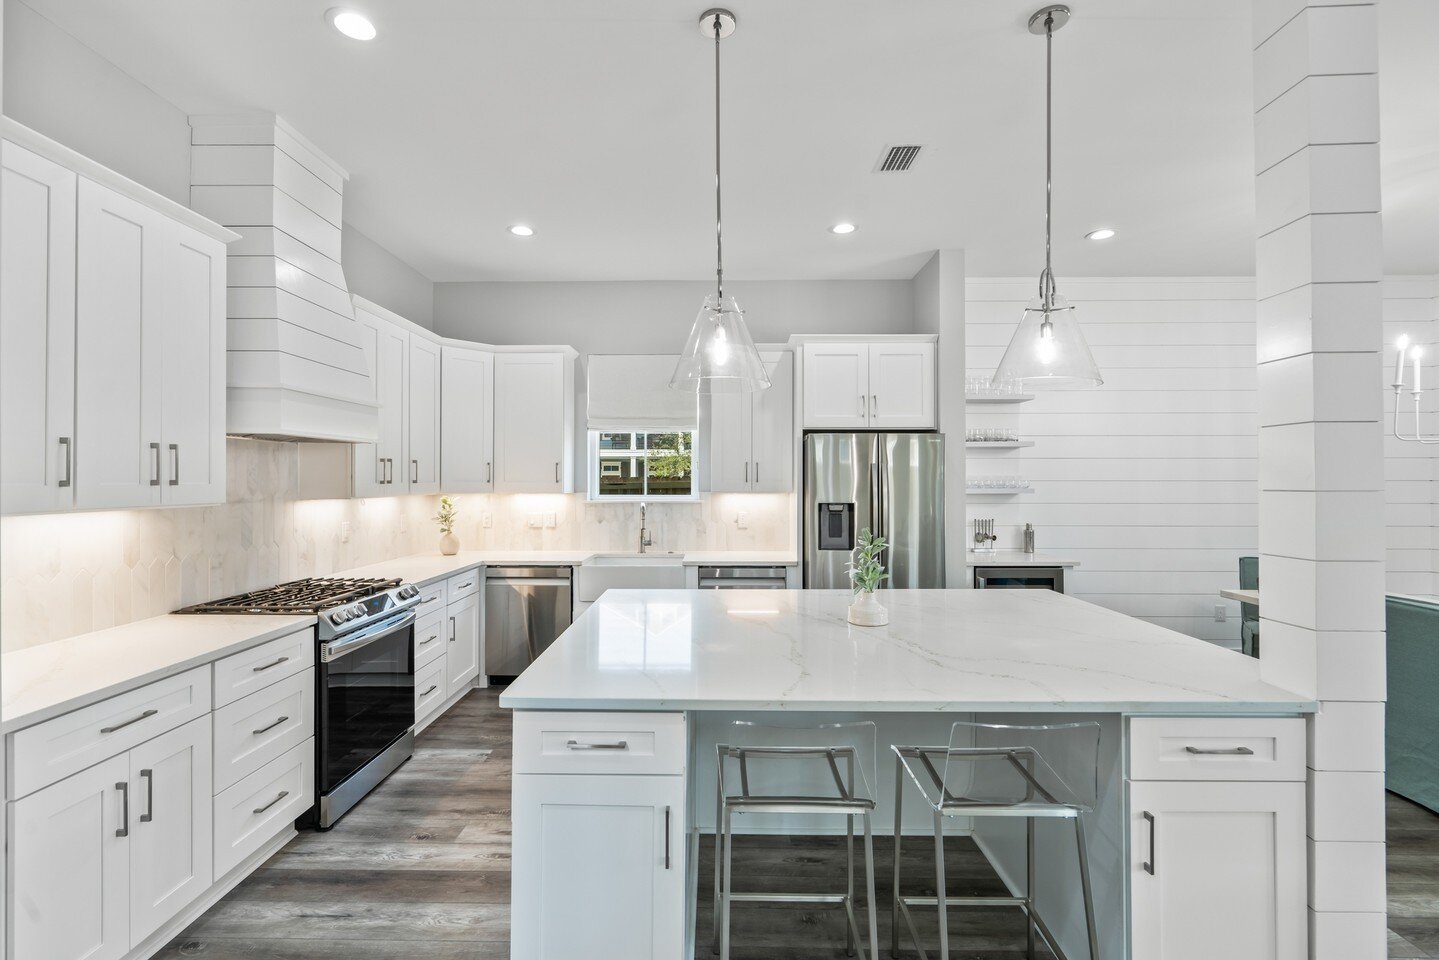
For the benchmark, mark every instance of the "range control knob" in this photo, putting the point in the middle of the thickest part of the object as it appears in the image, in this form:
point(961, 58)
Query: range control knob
point(358, 610)
point(340, 616)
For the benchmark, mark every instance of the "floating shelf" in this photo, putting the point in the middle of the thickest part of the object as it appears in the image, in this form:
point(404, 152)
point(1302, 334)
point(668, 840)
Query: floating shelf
point(998, 444)
point(1012, 398)
point(996, 491)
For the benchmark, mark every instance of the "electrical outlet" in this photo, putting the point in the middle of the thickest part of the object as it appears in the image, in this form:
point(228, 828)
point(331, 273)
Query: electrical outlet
point(486, 520)
point(345, 531)
point(741, 520)
point(535, 521)
point(550, 520)
point(1220, 613)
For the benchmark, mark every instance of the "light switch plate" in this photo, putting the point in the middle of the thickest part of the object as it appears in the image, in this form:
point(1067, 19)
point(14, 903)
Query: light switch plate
point(1220, 613)
point(741, 520)
point(486, 520)
point(345, 531)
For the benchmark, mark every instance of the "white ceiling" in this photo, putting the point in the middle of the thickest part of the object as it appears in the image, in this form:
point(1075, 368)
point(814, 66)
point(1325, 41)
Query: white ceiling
point(592, 122)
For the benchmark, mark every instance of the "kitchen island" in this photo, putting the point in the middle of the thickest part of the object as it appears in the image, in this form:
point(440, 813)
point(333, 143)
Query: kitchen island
point(616, 724)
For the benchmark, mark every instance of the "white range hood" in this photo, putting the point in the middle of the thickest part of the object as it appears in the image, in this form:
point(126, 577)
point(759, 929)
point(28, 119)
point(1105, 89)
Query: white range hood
point(297, 369)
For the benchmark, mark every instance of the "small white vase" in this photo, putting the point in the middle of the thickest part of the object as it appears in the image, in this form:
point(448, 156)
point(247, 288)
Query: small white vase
point(866, 611)
point(449, 544)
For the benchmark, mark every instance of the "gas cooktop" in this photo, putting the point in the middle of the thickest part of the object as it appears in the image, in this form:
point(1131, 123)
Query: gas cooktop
point(312, 595)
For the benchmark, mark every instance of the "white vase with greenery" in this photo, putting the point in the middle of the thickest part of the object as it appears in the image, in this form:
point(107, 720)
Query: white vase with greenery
point(866, 572)
point(449, 543)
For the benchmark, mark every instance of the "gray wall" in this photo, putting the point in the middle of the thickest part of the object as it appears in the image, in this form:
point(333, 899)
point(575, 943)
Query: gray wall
point(378, 275)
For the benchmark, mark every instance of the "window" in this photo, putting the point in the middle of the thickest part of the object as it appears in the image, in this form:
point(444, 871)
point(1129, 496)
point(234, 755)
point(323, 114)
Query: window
point(650, 464)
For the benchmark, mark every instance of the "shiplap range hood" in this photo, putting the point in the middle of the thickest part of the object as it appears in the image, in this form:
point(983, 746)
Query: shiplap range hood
point(296, 359)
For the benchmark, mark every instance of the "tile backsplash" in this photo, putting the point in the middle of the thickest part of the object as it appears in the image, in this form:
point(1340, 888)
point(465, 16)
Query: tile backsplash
point(65, 574)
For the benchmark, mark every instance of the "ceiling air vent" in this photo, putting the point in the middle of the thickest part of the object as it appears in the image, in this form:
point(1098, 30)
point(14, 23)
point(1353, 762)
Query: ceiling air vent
point(898, 159)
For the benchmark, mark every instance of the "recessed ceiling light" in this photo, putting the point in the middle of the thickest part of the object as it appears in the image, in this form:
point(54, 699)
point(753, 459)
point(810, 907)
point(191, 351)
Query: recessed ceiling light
point(520, 230)
point(1103, 233)
point(842, 228)
point(351, 23)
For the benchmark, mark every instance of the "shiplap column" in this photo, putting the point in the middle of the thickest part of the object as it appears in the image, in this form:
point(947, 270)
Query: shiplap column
point(1321, 507)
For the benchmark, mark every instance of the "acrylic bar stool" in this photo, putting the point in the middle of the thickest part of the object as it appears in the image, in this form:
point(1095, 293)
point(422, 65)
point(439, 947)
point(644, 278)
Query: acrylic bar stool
point(810, 771)
point(996, 770)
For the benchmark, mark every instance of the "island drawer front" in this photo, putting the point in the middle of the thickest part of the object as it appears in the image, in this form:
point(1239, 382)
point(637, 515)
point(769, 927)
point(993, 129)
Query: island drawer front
point(430, 634)
point(266, 802)
point(241, 674)
point(614, 743)
point(1216, 748)
point(464, 584)
point(50, 751)
point(429, 687)
point(433, 597)
point(251, 732)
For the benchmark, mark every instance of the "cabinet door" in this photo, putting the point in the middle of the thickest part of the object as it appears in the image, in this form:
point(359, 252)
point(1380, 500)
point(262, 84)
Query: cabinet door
point(193, 367)
point(901, 386)
point(70, 871)
point(467, 437)
point(530, 419)
point(772, 433)
point(423, 419)
point(37, 333)
point(836, 386)
point(729, 442)
point(463, 656)
point(118, 331)
point(1228, 870)
point(611, 849)
point(381, 467)
point(171, 849)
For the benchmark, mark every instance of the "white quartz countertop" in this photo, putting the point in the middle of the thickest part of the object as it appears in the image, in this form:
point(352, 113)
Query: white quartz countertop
point(1016, 558)
point(41, 682)
point(426, 567)
point(943, 650)
point(735, 558)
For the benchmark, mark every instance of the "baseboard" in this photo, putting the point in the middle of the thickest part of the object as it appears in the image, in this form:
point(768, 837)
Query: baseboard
point(154, 943)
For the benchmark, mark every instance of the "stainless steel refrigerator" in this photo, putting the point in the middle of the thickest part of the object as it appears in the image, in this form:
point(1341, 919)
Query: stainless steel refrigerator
point(891, 483)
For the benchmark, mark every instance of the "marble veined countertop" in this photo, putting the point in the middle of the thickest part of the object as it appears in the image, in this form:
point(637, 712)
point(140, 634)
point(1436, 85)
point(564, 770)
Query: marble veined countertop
point(943, 650)
point(426, 567)
point(1016, 558)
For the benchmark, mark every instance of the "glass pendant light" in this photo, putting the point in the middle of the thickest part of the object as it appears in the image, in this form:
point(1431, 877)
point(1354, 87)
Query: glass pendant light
point(1047, 349)
point(719, 356)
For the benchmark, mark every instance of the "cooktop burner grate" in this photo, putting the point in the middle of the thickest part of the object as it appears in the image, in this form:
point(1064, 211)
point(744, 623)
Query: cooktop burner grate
point(310, 595)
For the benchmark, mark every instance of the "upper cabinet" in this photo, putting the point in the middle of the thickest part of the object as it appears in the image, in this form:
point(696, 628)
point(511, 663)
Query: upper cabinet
point(423, 416)
point(113, 334)
point(876, 385)
point(386, 347)
point(751, 435)
point(467, 423)
point(534, 422)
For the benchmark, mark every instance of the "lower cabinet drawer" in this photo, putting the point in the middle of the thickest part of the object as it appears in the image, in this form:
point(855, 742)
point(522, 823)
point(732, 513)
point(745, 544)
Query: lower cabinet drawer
point(259, 807)
point(430, 635)
point(249, 733)
point(463, 585)
point(429, 687)
point(241, 674)
point(1217, 748)
point(613, 743)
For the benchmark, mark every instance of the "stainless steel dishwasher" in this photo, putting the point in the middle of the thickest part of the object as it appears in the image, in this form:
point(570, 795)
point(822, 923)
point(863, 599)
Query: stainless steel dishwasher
point(526, 608)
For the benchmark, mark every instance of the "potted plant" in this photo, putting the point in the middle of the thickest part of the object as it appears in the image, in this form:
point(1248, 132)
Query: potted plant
point(449, 543)
point(866, 573)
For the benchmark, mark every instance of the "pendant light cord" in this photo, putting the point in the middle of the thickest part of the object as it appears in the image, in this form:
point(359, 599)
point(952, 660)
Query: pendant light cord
point(719, 231)
point(1046, 279)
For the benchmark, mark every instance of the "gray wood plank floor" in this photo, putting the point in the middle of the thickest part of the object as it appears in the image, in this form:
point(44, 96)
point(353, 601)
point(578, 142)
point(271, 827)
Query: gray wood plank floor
point(421, 871)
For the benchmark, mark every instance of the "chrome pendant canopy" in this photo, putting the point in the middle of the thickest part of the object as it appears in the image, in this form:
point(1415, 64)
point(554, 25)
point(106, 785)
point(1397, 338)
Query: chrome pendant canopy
point(1048, 349)
point(719, 356)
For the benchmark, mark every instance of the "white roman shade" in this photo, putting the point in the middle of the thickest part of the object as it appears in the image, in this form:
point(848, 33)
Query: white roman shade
point(628, 392)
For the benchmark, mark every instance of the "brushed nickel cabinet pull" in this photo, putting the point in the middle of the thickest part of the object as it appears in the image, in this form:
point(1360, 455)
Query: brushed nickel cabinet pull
point(1220, 752)
point(432, 637)
point(155, 465)
point(266, 666)
point(124, 829)
point(874, 404)
point(174, 464)
point(1150, 863)
point(557, 471)
point(268, 727)
point(452, 629)
point(756, 471)
point(149, 813)
point(433, 688)
point(414, 471)
point(119, 726)
point(466, 585)
point(283, 795)
point(667, 838)
point(746, 471)
point(618, 745)
point(65, 480)
point(379, 470)
point(489, 473)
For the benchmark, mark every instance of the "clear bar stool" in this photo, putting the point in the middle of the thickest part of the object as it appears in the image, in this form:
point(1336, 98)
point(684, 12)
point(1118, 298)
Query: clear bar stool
point(995, 770)
point(816, 770)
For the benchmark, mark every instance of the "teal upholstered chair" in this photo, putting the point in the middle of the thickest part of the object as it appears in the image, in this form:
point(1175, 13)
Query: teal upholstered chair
point(1411, 728)
point(1248, 612)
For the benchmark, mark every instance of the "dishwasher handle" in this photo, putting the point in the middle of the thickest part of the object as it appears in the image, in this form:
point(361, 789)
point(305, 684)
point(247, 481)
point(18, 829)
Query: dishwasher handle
point(526, 582)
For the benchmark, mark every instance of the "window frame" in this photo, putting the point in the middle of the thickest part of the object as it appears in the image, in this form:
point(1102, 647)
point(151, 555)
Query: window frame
point(592, 488)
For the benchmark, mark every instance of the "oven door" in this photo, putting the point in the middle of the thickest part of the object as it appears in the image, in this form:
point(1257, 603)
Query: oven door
point(366, 696)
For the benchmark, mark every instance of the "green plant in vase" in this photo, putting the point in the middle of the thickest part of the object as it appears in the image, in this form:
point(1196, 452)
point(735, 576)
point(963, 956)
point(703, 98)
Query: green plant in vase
point(866, 573)
point(449, 543)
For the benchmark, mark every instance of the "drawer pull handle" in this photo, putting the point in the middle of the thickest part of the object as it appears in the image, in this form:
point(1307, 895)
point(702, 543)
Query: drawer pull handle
point(433, 688)
point(1150, 863)
point(432, 637)
point(123, 830)
point(466, 585)
point(452, 629)
point(267, 666)
point(576, 745)
point(283, 795)
point(268, 727)
point(149, 814)
point(667, 838)
point(428, 600)
point(120, 726)
point(1220, 752)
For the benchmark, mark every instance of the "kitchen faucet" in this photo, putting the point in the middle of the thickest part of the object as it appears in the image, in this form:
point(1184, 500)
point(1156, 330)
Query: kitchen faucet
point(645, 540)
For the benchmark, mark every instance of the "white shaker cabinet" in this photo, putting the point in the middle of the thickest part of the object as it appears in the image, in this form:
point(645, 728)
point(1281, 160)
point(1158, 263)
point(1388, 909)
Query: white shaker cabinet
point(877, 385)
point(534, 417)
point(462, 658)
point(467, 432)
point(423, 416)
point(610, 849)
point(37, 332)
point(751, 435)
point(836, 386)
point(381, 468)
point(901, 386)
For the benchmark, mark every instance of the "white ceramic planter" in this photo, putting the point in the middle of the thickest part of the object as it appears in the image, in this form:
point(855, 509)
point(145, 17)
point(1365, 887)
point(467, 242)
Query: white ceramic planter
point(449, 544)
point(865, 610)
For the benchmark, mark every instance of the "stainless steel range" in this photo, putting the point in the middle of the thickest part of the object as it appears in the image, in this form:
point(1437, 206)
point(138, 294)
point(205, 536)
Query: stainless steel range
point(364, 677)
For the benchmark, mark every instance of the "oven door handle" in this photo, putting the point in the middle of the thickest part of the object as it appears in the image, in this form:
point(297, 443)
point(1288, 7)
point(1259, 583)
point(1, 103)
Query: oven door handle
point(336, 649)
